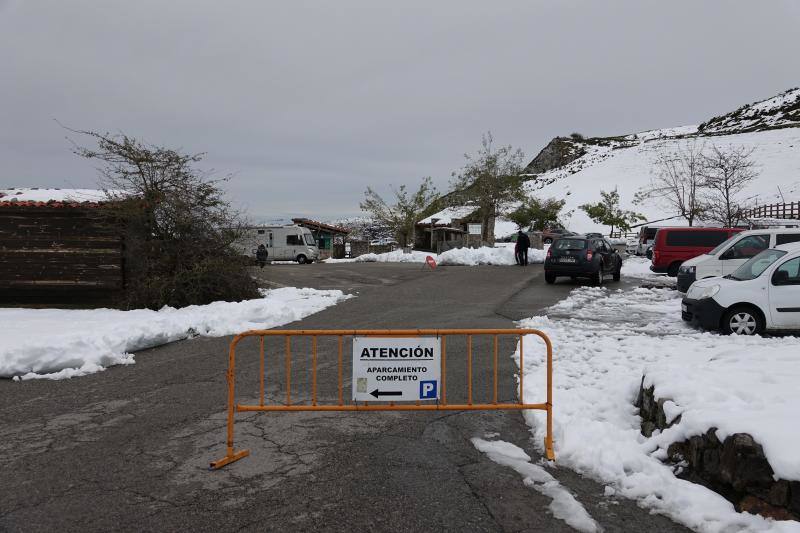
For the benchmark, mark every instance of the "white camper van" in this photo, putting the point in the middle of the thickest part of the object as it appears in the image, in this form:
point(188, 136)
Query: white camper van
point(283, 243)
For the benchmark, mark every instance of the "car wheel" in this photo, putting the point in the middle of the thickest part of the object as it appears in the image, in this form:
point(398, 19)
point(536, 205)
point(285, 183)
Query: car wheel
point(672, 271)
point(548, 240)
point(597, 277)
point(301, 259)
point(549, 277)
point(742, 320)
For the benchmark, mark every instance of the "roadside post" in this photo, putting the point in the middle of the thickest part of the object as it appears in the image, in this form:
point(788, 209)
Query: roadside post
point(433, 228)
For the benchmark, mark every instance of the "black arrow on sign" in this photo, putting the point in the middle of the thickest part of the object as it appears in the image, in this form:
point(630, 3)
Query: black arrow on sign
point(377, 393)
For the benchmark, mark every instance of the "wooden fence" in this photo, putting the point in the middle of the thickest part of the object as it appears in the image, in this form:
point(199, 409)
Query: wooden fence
point(790, 210)
point(59, 255)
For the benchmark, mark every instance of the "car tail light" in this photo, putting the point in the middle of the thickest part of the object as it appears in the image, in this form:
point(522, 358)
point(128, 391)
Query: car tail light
point(588, 255)
point(655, 256)
point(549, 252)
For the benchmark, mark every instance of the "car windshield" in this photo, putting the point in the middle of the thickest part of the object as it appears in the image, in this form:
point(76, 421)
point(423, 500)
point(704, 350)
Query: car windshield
point(570, 244)
point(310, 239)
point(718, 248)
point(755, 266)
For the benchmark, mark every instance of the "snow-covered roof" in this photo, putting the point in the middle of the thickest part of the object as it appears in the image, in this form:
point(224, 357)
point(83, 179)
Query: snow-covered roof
point(35, 194)
point(762, 223)
point(446, 216)
point(502, 226)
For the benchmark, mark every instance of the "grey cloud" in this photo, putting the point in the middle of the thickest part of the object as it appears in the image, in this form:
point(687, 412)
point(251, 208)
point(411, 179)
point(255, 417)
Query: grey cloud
point(307, 103)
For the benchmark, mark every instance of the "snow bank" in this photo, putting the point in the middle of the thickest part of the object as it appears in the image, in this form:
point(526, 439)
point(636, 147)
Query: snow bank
point(604, 341)
point(396, 256)
point(564, 505)
point(639, 267)
point(477, 256)
point(487, 256)
point(501, 255)
point(60, 343)
point(747, 387)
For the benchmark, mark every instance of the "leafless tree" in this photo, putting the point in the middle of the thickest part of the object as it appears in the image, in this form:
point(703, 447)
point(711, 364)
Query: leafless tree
point(180, 232)
point(678, 182)
point(726, 173)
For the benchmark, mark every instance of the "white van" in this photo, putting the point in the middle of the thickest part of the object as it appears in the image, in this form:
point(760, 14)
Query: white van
point(733, 253)
point(647, 235)
point(762, 294)
point(283, 243)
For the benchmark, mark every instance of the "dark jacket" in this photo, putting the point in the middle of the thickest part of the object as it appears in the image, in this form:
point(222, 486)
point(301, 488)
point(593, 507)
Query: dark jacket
point(523, 242)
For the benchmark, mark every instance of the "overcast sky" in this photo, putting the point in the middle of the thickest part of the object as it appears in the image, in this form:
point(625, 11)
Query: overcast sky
point(308, 103)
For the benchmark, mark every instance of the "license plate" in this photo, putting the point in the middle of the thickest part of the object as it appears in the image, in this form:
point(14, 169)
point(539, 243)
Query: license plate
point(684, 308)
point(567, 260)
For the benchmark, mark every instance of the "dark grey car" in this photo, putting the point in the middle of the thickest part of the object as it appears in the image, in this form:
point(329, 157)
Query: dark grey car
point(579, 256)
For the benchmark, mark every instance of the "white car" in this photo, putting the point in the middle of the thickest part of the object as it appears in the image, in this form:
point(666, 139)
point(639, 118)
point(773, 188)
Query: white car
point(731, 254)
point(762, 294)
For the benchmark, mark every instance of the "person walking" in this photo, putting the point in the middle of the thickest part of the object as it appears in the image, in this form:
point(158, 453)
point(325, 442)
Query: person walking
point(261, 255)
point(521, 248)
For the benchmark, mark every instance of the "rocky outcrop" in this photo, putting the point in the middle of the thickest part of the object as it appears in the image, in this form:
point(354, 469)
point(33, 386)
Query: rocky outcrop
point(780, 111)
point(558, 152)
point(736, 467)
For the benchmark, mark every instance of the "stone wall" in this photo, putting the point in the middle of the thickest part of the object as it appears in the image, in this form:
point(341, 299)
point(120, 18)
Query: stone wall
point(736, 468)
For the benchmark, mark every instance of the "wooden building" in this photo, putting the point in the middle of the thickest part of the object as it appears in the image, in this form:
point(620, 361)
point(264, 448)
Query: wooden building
point(325, 235)
point(59, 253)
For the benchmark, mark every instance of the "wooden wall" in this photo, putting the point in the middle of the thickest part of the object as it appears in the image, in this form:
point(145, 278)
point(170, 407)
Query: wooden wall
point(59, 256)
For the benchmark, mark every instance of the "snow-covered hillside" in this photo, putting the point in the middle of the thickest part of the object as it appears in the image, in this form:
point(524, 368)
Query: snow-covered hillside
point(771, 128)
point(776, 152)
point(780, 111)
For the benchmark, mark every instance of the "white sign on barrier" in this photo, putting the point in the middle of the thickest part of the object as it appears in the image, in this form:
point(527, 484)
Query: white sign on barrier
point(401, 369)
point(474, 229)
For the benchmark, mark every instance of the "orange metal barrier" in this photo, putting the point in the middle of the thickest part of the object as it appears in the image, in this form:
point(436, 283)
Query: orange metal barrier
point(442, 405)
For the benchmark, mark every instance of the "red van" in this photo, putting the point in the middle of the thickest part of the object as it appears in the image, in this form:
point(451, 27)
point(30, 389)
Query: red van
point(673, 246)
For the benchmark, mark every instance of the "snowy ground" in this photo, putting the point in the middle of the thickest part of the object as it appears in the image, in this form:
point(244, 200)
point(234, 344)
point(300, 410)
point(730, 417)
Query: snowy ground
point(501, 255)
point(638, 267)
point(60, 343)
point(605, 341)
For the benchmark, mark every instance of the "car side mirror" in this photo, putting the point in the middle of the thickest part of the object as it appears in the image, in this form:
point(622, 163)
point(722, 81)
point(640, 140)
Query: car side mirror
point(780, 277)
point(728, 254)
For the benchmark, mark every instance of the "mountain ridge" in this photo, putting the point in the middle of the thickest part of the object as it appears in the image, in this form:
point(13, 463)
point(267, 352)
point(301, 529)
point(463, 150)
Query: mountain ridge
point(776, 112)
point(575, 168)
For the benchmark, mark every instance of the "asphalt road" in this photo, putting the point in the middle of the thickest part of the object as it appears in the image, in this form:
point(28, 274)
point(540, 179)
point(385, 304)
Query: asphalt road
point(127, 449)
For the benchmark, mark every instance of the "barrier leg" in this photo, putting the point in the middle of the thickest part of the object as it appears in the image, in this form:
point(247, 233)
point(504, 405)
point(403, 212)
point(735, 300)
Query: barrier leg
point(231, 454)
point(548, 438)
